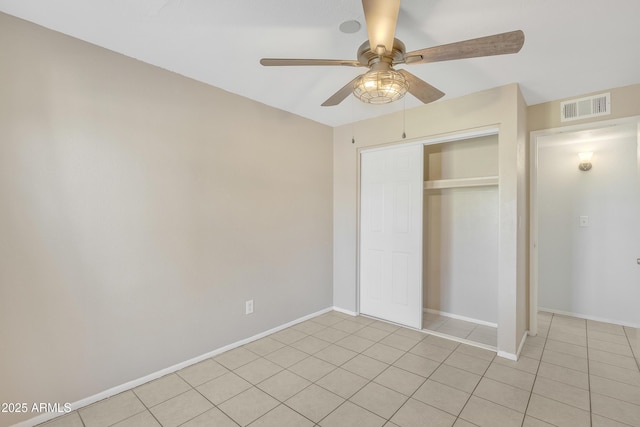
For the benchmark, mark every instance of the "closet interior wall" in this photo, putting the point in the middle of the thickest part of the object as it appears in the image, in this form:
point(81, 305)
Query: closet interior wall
point(460, 238)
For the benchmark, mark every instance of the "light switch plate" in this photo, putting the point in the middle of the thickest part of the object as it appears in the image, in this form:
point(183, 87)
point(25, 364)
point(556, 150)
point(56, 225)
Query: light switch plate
point(584, 221)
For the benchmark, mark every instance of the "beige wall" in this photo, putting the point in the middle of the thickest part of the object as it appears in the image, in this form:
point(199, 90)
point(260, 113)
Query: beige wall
point(497, 107)
point(138, 211)
point(460, 230)
point(625, 102)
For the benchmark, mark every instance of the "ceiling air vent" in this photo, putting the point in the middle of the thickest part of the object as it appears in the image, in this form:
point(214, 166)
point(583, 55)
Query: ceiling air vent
point(591, 106)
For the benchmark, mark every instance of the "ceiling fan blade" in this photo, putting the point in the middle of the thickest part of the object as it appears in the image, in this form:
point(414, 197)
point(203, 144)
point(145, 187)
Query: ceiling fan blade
point(498, 44)
point(270, 62)
point(381, 17)
point(421, 89)
point(340, 95)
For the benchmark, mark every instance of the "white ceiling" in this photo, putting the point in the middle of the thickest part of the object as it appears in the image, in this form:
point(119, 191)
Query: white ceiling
point(571, 47)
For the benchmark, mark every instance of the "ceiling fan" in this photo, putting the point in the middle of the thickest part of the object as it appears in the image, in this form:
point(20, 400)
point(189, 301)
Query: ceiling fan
point(382, 52)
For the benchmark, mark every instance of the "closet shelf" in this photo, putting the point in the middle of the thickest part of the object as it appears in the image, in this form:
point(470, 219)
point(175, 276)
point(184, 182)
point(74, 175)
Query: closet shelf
point(481, 181)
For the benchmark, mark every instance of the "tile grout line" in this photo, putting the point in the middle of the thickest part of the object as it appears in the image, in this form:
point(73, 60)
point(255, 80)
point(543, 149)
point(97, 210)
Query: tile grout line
point(252, 385)
point(589, 379)
point(474, 389)
point(423, 382)
point(310, 382)
point(148, 408)
point(535, 378)
point(635, 356)
point(336, 367)
point(356, 392)
point(388, 420)
point(280, 402)
point(589, 376)
point(462, 369)
point(466, 337)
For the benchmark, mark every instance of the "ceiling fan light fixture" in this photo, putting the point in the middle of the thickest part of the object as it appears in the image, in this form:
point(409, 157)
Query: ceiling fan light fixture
point(380, 86)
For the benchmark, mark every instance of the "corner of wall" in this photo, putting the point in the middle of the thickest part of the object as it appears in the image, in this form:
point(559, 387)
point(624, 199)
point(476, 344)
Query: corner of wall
point(523, 218)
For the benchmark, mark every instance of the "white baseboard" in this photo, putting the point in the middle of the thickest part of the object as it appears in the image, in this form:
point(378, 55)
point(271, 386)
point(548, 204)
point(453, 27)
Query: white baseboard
point(460, 340)
point(589, 317)
point(507, 355)
point(153, 376)
point(515, 356)
point(457, 316)
point(342, 310)
point(522, 342)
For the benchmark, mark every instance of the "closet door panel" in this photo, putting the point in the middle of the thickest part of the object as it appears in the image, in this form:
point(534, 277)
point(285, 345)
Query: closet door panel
point(391, 235)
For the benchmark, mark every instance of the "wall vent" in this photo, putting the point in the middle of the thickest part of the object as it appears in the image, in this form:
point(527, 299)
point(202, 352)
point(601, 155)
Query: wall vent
point(583, 108)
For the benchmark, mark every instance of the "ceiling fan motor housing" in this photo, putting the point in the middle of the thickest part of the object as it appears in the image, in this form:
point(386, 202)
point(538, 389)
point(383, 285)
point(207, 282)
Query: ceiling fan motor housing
point(368, 57)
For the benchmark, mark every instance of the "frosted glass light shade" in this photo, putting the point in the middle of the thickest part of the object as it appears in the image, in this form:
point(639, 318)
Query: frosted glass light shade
point(585, 161)
point(380, 87)
point(585, 157)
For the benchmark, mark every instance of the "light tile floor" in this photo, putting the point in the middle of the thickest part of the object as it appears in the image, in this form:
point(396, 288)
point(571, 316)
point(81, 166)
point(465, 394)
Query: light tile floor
point(336, 370)
point(469, 331)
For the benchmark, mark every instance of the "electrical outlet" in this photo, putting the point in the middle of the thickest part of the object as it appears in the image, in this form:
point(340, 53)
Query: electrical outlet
point(248, 307)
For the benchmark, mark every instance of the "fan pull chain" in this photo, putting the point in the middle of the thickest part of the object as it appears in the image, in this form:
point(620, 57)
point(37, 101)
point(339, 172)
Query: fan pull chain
point(353, 138)
point(404, 117)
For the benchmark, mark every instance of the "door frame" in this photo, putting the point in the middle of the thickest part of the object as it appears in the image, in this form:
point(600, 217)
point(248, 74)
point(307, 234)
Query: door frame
point(438, 139)
point(534, 137)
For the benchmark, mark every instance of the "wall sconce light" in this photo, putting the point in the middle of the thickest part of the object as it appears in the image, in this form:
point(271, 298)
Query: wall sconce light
point(585, 161)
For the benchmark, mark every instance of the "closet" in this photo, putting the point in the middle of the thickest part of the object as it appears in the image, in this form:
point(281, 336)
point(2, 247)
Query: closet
point(472, 219)
point(460, 239)
point(442, 237)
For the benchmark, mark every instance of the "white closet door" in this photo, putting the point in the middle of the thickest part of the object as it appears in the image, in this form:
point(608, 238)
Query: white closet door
point(391, 234)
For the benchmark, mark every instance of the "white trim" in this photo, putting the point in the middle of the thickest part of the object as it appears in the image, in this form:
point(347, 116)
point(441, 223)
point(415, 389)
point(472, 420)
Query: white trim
point(589, 317)
point(436, 334)
point(516, 356)
point(459, 136)
point(460, 340)
point(456, 316)
point(137, 382)
point(345, 311)
point(480, 181)
point(368, 316)
point(389, 146)
point(449, 137)
point(510, 356)
point(533, 203)
point(522, 342)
